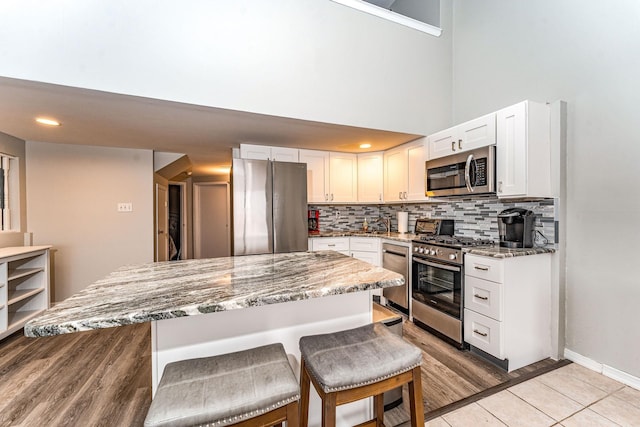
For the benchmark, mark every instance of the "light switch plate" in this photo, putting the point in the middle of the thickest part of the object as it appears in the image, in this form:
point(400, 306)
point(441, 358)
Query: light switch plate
point(125, 207)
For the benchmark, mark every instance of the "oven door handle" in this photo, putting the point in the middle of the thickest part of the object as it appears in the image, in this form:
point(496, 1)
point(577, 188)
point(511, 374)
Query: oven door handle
point(437, 265)
point(467, 173)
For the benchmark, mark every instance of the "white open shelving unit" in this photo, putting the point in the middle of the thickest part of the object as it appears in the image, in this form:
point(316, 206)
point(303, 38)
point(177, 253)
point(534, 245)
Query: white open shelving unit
point(24, 286)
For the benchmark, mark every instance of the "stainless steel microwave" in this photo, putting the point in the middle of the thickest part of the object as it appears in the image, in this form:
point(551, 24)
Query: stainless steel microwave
point(467, 173)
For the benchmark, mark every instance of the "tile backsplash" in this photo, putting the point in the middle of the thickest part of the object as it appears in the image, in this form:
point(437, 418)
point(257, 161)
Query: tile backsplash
point(474, 216)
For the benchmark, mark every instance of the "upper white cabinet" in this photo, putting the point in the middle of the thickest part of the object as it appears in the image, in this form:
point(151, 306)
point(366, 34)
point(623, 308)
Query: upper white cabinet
point(370, 177)
point(317, 175)
point(467, 136)
point(331, 177)
point(523, 151)
point(264, 152)
point(404, 172)
point(343, 177)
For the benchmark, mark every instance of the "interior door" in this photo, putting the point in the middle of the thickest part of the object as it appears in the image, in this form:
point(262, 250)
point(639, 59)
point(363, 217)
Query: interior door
point(211, 232)
point(162, 223)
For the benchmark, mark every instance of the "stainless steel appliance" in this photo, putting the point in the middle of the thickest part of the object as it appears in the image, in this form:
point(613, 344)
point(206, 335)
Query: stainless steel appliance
point(396, 258)
point(470, 172)
point(269, 207)
point(437, 284)
point(516, 227)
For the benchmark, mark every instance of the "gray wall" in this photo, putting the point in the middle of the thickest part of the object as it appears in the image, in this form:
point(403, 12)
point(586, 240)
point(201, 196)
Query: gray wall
point(308, 59)
point(72, 194)
point(584, 52)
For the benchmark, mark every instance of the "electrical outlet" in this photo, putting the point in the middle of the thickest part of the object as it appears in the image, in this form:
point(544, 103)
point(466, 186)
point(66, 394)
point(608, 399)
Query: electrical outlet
point(125, 207)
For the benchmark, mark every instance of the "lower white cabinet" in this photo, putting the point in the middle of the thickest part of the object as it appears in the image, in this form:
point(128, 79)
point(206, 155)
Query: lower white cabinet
point(507, 307)
point(363, 248)
point(24, 286)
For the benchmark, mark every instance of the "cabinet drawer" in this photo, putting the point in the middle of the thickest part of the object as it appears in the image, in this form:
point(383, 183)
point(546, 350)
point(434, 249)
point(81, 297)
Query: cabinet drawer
point(331, 244)
point(366, 244)
point(484, 333)
point(483, 296)
point(484, 268)
point(370, 257)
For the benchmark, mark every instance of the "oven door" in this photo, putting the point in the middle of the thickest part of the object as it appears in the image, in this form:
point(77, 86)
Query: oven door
point(437, 285)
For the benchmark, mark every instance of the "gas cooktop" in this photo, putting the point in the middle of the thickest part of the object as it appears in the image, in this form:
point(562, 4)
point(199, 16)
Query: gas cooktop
point(453, 241)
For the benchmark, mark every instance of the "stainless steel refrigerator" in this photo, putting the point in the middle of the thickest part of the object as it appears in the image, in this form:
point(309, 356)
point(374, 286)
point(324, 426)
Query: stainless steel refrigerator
point(269, 207)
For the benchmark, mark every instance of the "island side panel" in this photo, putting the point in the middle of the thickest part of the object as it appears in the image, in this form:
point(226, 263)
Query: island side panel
point(233, 330)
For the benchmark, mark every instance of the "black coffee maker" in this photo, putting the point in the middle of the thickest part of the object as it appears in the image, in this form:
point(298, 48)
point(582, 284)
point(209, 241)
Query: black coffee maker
point(516, 227)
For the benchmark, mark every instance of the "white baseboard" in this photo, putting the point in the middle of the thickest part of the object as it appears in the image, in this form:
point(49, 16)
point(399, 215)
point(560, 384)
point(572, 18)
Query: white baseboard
point(605, 370)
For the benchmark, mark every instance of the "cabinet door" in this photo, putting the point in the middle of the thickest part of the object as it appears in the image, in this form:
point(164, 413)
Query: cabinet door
point(477, 133)
point(317, 175)
point(416, 158)
point(343, 177)
point(370, 177)
point(370, 257)
point(442, 143)
point(283, 154)
point(395, 174)
point(511, 151)
point(255, 152)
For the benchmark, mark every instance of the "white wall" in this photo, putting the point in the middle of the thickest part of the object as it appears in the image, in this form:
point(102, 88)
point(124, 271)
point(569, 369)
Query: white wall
point(307, 59)
point(72, 193)
point(585, 52)
point(15, 147)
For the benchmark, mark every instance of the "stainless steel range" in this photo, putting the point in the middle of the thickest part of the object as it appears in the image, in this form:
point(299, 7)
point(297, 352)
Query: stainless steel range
point(438, 279)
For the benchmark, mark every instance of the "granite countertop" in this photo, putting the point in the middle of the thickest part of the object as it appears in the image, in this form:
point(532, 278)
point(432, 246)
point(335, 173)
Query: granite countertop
point(163, 290)
point(499, 252)
point(401, 237)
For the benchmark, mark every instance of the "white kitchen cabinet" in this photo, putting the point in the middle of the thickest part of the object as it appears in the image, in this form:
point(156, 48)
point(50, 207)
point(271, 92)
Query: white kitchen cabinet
point(264, 152)
point(507, 308)
point(24, 286)
point(404, 172)
point(370, 177)
point(317, 175)
point(366, 249)
point(338, 244)
point(523, 151)
point(467, 136)
point(343, 177)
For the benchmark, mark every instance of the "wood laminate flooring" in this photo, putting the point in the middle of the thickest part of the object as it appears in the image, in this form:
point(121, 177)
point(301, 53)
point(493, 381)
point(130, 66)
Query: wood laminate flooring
point(103, 377)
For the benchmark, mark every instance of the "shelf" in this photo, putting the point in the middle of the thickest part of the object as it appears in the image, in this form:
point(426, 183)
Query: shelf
point(23, 272)
point(19, 295)
point(19, 318)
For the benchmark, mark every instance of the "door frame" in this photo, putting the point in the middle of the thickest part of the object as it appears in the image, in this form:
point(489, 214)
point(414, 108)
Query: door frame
point(196, 214)
point(158, 225)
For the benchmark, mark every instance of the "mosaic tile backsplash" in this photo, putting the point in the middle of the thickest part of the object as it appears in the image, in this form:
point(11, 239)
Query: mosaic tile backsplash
point(474, 216)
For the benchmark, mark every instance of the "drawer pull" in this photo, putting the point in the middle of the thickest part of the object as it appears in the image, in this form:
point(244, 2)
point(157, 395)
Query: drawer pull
point(480, 297)
point(482, 334)
point(481, 267)
point(332, 245)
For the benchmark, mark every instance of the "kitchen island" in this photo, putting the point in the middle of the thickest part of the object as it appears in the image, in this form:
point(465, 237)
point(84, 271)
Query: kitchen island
point(213, 306)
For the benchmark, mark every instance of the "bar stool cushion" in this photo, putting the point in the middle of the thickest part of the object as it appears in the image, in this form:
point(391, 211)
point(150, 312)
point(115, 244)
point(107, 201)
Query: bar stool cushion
point(225, 389)
point(356, 357)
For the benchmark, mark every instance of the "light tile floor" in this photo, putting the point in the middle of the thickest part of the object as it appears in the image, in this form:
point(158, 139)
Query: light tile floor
point(571, 396)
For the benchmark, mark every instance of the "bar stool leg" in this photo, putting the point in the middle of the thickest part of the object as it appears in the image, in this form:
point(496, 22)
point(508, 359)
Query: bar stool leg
point(293, 411)
point(329, 410)
point(378, 409)
point(305, 388)
point(415, 399)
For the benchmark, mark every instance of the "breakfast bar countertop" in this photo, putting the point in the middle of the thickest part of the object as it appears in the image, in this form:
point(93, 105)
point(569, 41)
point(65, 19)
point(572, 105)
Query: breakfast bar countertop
point(164, 290)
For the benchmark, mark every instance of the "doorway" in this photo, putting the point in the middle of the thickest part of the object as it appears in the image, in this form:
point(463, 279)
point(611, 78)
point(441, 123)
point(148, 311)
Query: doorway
point(211, 220)
point(162, 223)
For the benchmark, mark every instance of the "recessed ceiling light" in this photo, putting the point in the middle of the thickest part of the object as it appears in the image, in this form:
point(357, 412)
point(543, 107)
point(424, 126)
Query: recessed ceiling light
point(365, 145)
point(48, 122)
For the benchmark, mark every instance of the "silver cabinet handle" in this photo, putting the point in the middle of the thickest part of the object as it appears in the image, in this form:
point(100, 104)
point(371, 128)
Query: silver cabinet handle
point(453, 146)
point(404, 195)
point(399, 194)
point(499, 186)
point(380, 196)
point(326, 197)
point(332, 197)
point(480, 297)
point(481, 267)
point(482, 334)
point(460, 144)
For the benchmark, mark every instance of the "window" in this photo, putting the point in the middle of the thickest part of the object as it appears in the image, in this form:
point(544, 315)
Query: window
point(9, 193)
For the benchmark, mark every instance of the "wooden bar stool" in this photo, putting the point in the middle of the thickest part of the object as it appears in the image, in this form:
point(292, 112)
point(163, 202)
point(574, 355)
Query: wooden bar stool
point(255, 387)
point(355, 364)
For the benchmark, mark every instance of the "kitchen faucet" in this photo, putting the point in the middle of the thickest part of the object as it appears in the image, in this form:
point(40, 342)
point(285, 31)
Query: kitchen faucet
point(386, 222)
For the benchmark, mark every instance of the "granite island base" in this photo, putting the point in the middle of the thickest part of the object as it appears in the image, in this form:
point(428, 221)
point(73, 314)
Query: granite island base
point(248, 301)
